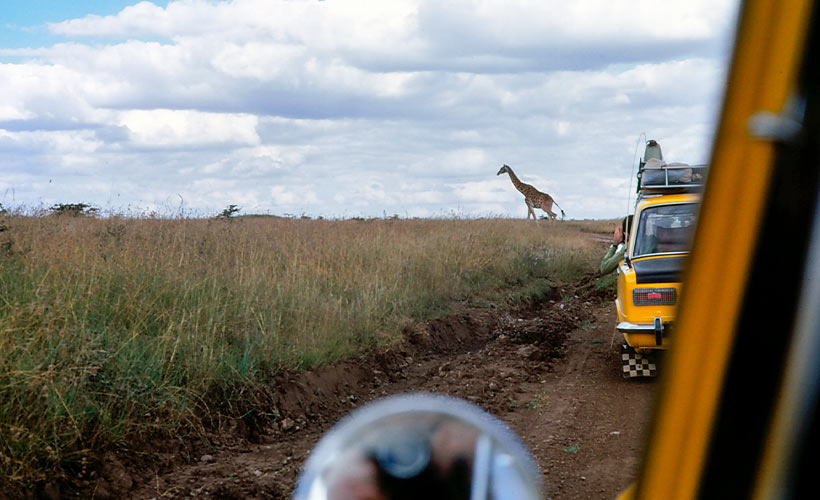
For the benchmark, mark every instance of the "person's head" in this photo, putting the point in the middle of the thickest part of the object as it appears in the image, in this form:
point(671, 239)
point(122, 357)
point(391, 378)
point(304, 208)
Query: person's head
point(618, 235)
point(625, 227)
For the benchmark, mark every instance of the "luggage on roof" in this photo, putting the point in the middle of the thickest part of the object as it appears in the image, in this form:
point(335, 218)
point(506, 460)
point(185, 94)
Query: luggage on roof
point(655, 175)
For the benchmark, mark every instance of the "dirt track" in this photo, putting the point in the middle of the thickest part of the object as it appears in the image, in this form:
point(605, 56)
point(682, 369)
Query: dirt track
point(551, 371)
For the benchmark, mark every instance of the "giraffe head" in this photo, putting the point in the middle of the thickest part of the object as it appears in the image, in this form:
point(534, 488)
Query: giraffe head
point(504, 170)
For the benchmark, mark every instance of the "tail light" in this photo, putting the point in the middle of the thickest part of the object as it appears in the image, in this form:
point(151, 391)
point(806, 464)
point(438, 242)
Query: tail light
point(654, 296)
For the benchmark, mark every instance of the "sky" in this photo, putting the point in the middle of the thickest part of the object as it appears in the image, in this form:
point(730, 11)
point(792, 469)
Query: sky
point(352, 108)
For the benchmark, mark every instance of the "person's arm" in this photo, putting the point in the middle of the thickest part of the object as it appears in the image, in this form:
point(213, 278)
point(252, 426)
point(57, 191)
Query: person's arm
point(614, 255)
point(608, 263)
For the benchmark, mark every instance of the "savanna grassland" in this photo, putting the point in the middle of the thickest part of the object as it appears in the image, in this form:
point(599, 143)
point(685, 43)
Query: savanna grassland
point(115, 330)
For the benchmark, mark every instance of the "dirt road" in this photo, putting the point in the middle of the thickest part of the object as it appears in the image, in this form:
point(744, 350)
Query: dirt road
point(550, 370)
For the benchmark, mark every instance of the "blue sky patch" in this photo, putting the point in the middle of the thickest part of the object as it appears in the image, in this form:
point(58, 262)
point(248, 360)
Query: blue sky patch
point(24, 24)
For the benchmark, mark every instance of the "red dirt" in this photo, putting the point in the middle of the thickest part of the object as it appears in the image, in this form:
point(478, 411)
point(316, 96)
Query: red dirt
point(550, 370)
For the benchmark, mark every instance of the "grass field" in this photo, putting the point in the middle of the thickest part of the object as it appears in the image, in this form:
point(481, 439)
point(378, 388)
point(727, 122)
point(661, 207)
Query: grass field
point(113, 329)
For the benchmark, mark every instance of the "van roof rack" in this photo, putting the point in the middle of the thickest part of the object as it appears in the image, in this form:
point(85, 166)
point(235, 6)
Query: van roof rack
point(654, 177)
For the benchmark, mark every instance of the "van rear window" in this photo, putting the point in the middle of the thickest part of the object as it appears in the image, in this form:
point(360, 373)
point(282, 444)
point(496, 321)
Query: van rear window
point(665, 229)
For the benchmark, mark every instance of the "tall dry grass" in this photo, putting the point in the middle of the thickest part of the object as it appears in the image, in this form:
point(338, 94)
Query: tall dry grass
point(114, 327)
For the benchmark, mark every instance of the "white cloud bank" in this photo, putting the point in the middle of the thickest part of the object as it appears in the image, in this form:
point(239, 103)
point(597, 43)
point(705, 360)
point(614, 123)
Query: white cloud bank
point(347, 108)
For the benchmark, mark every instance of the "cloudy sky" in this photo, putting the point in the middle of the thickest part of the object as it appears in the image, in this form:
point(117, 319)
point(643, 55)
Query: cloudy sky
point(346, 108)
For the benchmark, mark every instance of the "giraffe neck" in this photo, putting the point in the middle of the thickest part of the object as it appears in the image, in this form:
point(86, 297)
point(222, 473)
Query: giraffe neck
point(517, 183)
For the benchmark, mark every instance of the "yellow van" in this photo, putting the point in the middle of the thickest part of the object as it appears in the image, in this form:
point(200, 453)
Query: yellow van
point(649, 277)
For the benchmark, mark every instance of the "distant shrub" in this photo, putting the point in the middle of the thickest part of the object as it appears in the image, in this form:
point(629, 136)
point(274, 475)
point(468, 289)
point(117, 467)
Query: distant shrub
point(228, 212)
point(73, 209)
point(5, 243)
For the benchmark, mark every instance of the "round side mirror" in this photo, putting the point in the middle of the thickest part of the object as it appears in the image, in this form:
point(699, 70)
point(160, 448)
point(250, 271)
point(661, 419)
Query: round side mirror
point(420, 446)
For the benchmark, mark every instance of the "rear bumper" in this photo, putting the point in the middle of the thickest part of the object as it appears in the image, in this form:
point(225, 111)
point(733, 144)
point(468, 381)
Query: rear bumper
point(645, 335)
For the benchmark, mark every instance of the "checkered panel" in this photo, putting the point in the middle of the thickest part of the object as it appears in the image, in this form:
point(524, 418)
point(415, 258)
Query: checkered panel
point(636, 364)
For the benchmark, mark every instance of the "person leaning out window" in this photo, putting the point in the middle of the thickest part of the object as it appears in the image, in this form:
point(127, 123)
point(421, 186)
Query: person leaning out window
point(615, 253)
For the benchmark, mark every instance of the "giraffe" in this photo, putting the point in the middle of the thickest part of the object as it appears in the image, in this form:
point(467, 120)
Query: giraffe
point(532, 197)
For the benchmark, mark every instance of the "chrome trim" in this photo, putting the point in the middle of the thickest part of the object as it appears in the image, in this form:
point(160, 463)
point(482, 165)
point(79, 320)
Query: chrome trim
point(627, 327)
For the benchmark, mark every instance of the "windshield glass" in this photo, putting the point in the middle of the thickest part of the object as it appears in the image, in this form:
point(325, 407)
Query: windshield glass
point(665, 229)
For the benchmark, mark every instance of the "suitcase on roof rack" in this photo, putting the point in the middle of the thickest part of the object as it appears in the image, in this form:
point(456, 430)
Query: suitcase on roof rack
point(655, 174)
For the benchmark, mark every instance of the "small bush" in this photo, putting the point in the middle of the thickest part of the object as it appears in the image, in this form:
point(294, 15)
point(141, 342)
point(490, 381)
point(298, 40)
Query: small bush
point(73, 209)
point(228, 212)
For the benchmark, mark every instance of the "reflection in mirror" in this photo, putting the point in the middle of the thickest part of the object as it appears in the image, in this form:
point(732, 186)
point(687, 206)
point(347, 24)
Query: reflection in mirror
point(420, 446)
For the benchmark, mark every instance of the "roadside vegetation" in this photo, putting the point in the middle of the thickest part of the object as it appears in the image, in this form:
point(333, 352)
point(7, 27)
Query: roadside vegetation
point(114, 329)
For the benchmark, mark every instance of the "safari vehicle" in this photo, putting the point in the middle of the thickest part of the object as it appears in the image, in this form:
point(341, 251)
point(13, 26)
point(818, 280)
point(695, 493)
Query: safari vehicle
point(649, 277)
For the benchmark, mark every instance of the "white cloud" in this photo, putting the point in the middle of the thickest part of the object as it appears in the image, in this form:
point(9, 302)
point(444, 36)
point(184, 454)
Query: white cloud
point(491, 191)
point(293, 198)
point(359, 107)
point(174, 128)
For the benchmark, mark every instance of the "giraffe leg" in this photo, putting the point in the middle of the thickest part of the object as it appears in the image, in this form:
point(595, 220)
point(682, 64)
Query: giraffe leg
point(547, 207)
point(530, 210)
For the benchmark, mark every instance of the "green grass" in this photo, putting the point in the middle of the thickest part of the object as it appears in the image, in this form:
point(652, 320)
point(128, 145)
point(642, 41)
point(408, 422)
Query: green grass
point(573, 448)
point(115, 329)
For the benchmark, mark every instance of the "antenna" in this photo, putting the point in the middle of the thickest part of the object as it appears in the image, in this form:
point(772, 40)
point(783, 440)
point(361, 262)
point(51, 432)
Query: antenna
point(632, 174)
